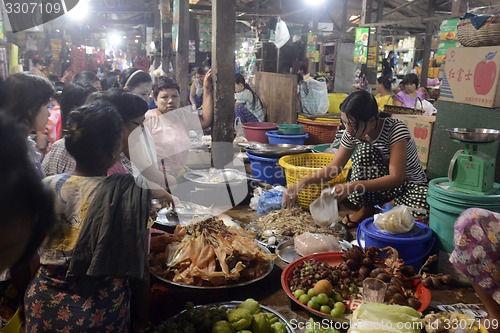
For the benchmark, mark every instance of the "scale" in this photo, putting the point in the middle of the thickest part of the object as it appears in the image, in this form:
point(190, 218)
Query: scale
point(471, 170)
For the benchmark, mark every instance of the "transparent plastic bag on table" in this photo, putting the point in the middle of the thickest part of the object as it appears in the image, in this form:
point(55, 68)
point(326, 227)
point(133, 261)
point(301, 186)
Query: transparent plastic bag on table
point(314, 97)
point(324, 210)
point(398, 220)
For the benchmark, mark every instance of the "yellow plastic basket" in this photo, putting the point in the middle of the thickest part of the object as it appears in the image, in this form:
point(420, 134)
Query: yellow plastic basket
point(304, 165)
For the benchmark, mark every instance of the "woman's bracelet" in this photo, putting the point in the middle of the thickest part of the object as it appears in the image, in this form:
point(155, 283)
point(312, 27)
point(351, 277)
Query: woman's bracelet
point(137, 329)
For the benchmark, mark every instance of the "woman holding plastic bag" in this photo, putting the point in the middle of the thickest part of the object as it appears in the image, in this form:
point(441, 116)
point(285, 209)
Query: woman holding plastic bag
point(385, 164)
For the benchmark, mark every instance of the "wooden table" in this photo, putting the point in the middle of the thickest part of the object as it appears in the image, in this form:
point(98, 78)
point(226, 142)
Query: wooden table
point(167, 300)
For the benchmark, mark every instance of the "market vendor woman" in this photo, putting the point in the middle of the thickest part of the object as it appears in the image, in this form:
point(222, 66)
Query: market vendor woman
point(385, 164)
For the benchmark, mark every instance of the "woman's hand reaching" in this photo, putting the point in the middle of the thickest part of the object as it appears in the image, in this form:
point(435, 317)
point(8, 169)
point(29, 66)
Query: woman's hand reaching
point(289, 199)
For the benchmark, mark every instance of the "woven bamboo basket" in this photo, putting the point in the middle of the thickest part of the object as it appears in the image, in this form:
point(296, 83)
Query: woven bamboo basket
point(394, 109)
point(487, 35)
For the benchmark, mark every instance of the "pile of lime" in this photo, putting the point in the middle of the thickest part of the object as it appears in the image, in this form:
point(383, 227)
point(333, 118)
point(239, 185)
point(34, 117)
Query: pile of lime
point(322, 298)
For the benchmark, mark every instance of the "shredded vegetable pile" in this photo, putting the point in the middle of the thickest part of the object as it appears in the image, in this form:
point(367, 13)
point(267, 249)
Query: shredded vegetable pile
point(281, 225)
point(208, 253)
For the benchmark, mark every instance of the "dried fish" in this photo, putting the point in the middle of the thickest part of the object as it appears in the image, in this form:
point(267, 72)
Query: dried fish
point(209, 254)
point(284, 224)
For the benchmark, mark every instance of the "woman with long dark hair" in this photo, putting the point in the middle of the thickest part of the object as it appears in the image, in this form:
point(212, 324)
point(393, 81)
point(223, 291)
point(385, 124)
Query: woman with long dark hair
point(385, 164)
point(246, 97)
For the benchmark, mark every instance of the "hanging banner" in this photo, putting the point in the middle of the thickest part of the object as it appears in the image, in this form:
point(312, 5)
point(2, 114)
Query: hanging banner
point(447, 39)
point(372, 55)
point(311, 45)
point(448, 29)
point(361, 45)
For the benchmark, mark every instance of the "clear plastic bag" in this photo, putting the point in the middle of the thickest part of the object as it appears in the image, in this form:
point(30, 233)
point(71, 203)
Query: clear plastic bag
point(282, 34)
point(396, 221)
point(324, 209)
point(314, 97)
point(238, 127)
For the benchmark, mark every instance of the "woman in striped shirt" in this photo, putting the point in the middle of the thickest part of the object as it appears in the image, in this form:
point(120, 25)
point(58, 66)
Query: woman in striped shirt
point(385, 164)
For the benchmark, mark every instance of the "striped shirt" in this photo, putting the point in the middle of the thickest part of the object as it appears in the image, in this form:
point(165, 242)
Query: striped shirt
point(393, 130)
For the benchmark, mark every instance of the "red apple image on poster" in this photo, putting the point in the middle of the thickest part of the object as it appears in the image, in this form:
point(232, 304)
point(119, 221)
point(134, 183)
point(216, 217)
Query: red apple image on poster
point(485, 75)
point(420, 132)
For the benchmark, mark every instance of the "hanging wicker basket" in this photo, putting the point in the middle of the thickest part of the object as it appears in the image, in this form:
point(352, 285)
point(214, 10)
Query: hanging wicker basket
point(487, 35)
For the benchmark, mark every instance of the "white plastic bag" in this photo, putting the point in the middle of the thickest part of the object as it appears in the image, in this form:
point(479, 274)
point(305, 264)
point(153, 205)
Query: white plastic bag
point(396, 221)
point(314, 97)
point(427, 108)
point(324, 209)
point(282, 34)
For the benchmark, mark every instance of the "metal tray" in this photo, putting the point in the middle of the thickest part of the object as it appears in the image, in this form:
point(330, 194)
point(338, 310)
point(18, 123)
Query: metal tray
point(240, 284)
point(286, 251)
point(474, 135)
point(276, 150)
point(213, 178)
point(234, 304)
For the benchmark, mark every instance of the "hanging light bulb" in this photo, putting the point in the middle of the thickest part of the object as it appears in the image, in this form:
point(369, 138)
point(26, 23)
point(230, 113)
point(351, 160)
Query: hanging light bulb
point(314, 2)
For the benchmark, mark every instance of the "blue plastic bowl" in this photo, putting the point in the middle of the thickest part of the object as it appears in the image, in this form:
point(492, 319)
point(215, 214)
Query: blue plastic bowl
point(295, 139)
point(412, 247)
point(267, 170)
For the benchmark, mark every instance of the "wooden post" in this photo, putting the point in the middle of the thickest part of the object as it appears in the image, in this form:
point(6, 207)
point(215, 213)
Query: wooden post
point(429, 28)
point(182, 57)
point(380, 14)
point(223, 27)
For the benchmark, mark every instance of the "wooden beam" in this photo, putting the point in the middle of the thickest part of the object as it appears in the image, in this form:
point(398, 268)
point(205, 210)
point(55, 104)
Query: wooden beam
point(223, 29)
point(182, 56)
point(401, 7)
point(407, 20)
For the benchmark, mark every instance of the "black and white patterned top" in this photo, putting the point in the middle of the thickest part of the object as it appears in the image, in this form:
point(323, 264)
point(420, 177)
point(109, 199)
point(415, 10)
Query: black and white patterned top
point(393, 130)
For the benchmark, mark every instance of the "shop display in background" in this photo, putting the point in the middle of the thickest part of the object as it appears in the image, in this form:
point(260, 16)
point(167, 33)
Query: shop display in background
point(56, 47)
point(471, 76)
point(447, 39)
point(192, 51)
point(3, 63)
point(361, 45)
point(175, 25)
point(205, 30)
point(245, 55)
point(13, 59)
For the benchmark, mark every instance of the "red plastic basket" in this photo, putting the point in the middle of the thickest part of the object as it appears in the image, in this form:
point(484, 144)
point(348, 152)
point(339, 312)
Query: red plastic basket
point(319, 131)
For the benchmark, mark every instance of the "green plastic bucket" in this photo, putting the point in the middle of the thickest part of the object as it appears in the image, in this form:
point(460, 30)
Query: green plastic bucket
point(445, 205)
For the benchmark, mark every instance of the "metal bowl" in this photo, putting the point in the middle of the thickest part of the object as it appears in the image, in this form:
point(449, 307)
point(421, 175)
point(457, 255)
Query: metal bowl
point(474, 135)
point(276, 150)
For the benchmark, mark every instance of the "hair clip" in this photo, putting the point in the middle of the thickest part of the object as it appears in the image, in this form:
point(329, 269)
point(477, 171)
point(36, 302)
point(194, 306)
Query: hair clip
point(73, 132)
